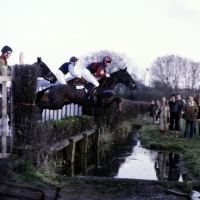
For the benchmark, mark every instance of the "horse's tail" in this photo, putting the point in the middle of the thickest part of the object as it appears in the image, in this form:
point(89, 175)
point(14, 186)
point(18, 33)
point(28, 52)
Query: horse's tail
point(40, 94)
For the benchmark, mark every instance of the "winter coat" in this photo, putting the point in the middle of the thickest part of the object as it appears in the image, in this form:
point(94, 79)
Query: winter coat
point(197, 100)
point(190, 111)
point(152, 110)
point(175, 106)
point(164, 115)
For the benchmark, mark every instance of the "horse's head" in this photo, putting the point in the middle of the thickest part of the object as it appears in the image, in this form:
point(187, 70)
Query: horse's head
point(46, 73)
point(126, 79)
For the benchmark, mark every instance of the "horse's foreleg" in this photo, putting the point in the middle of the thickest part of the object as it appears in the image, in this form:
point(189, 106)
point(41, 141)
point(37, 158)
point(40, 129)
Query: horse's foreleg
point(119, 105)
point(111, 100)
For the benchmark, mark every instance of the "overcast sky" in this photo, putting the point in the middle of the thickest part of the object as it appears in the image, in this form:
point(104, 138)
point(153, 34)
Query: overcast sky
point(141, 29)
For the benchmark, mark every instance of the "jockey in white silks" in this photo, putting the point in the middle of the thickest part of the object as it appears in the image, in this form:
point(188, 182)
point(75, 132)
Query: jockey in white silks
point(92, 72)
point(67, 69)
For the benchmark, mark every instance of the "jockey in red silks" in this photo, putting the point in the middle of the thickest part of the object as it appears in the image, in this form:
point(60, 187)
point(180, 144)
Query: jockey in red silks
point(67, 69)
point(98, 70)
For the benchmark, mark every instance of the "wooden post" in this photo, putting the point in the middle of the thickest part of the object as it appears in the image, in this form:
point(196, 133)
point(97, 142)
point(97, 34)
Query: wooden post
point(84, 143)
point(72, 147)
point(97, 134)
point(4, 79)
point(71, 151)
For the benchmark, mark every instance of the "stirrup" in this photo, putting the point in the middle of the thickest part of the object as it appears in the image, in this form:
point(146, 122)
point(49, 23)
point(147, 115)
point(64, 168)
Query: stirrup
point(89, 97)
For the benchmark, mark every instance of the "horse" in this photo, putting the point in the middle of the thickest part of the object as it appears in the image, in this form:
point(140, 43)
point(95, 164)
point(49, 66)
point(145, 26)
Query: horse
point(44, 71)
point(60, 95)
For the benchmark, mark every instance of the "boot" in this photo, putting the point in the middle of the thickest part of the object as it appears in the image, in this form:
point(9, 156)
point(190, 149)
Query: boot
point(89, 95)
point(171, 133)
point(194, 130)
point(176, 134)
point(163, 133)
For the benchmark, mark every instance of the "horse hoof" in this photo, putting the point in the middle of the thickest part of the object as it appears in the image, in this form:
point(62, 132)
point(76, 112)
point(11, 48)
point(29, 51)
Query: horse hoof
point(117, 111)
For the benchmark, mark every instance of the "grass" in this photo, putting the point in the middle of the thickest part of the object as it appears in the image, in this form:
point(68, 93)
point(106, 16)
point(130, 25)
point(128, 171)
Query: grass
point(189, 148)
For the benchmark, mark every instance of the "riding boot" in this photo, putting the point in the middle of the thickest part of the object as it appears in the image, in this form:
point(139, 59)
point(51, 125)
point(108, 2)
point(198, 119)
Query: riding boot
point(89, 95)
point(194, 130)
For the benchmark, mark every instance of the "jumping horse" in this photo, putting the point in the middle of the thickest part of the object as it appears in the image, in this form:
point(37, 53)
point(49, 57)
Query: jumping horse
point(43, 72)
point(60, 95)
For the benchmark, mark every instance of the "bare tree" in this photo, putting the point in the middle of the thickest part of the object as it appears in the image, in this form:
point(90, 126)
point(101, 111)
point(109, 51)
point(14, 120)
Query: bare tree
point(176, 72)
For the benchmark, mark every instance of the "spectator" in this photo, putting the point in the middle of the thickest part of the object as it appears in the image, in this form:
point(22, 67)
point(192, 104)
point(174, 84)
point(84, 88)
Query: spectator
point(175, 108)
point(152, 112)
point(164, 117)
point(6, 53)
point(180, 123)
point(190, 110)
point(197, 101)
point(157, 108)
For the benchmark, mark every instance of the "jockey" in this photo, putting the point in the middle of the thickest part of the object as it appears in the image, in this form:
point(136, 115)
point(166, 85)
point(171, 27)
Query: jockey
point(98, 70)
point(6, 53)
point(67, 69)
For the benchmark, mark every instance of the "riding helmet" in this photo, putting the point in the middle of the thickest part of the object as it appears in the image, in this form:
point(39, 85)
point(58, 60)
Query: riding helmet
point(73, 59)
point(6, 49)
point(107, 59)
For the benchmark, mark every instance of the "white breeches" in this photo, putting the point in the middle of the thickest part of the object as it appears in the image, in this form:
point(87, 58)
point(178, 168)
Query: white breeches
point(89, 77)
point(63, 78)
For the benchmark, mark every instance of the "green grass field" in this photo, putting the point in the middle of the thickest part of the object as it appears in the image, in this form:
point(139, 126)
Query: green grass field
point(189, 148)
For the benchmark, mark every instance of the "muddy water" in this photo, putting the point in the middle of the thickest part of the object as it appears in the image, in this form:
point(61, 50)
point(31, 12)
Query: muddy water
point(152, 165)
point(129, 160)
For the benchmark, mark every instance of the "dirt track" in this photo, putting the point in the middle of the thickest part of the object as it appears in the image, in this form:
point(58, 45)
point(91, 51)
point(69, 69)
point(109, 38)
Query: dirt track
point(95, 188)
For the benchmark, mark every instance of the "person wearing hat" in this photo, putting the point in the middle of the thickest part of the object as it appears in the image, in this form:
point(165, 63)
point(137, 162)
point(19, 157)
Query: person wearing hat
point(6, 52)
point(92, 72)
point(67, 69)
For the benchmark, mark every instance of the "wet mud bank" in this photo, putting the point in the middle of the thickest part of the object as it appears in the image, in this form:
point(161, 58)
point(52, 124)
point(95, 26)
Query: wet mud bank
point(111, 188)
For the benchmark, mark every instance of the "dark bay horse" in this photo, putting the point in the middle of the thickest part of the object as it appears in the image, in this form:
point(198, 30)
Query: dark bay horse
point(61, 95)
point(44, 71)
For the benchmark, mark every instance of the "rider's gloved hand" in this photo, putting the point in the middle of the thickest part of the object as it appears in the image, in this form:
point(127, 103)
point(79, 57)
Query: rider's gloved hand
point(107, 75)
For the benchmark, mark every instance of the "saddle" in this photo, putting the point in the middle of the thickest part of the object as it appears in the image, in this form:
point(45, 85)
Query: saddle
point(83, 84)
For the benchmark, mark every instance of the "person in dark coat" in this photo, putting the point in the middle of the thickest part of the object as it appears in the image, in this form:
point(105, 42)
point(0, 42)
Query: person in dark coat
point(197, 100)
point(152, 112)
point(178, 97)
point(175, 109)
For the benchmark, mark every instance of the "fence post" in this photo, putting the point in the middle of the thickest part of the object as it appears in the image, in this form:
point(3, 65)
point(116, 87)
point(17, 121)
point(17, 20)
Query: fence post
point(4, 78)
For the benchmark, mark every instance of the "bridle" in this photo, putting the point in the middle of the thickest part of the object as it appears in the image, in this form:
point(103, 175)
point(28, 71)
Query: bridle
point(116, 81)
point(47, 75)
